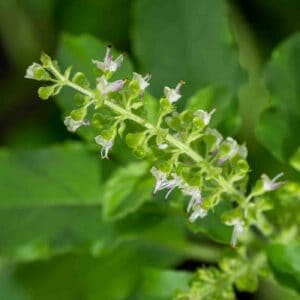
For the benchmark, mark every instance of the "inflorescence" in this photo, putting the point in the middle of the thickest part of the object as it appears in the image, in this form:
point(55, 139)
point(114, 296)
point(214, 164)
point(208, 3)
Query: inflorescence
point(186, 154)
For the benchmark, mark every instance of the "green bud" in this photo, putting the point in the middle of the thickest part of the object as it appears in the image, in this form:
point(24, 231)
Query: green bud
point(45, 92)
point(134, 89)
point(165, 105)
point(46, 60)
point(139, 152)
point(80, 99)
point(79, 114)
point(80, 79)
point(192, 178)
point(173, 122)
point(108, 134)
point(41, 74)
point(100, 120)
point(134, 140)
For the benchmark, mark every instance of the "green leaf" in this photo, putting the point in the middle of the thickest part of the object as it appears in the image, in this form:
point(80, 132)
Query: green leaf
point(161, 284)
point(65, 175)
point(212, 225)
point(284, 260)
point(280, 122)
point(111, 277)
point(126, 190)
point(295, 160)
point(190, 44)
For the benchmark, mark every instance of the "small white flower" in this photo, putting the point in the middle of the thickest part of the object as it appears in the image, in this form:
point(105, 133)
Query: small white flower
point(162, 182)
point(238, 228)
point(106, 87)
point(163, 146)
point(161, 179)
point(271, 184)
point(142, 81)
point(204, 115)
point(106, 145)
point(30, 70)
point(173, 95)
point(73, 125)
point(195, 194)
point(109, 64)
point(176, 181)
point(198, 212)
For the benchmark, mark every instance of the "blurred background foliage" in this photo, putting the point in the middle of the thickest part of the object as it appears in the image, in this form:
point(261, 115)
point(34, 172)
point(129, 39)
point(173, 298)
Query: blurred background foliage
point(64, 233)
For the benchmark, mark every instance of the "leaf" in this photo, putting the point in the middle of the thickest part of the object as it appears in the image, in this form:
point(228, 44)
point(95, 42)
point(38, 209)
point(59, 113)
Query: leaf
point(108, 19)
point(111, 277)
point(284, 260)
point(279, 124)
point(295, 160)
point(126, 190)
point(161, 284)
point(190, 44)
point(66, 175)
point(212, 225)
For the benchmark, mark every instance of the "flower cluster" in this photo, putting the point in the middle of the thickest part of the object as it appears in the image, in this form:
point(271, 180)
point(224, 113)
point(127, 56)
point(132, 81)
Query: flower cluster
point(185, 152)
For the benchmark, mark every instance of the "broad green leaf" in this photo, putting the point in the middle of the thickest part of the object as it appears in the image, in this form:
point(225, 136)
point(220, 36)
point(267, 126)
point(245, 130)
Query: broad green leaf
point(189, 40)
point(284, 260)
point(161, 284)
point(65, 175)
point(295, 160)
point(108, 19)
point(212, 225)
point(113, 276)
point(279, 125)
point(32, 233)
point(126, 190)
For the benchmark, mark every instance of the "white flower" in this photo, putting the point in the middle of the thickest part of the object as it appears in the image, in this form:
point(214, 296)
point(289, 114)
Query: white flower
point(271, 184)
point(195, 194)
point(161, 179)
point(30, 70)
point(142, 81)
point(198, 212)
point(176, 181)
point(106, 87)
point(204, 115)
point(73, 125)
point(106, 145)
point(162, 182)
point(173, 95)
point(109, 64)
point(163, 146)
point(238, 228)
